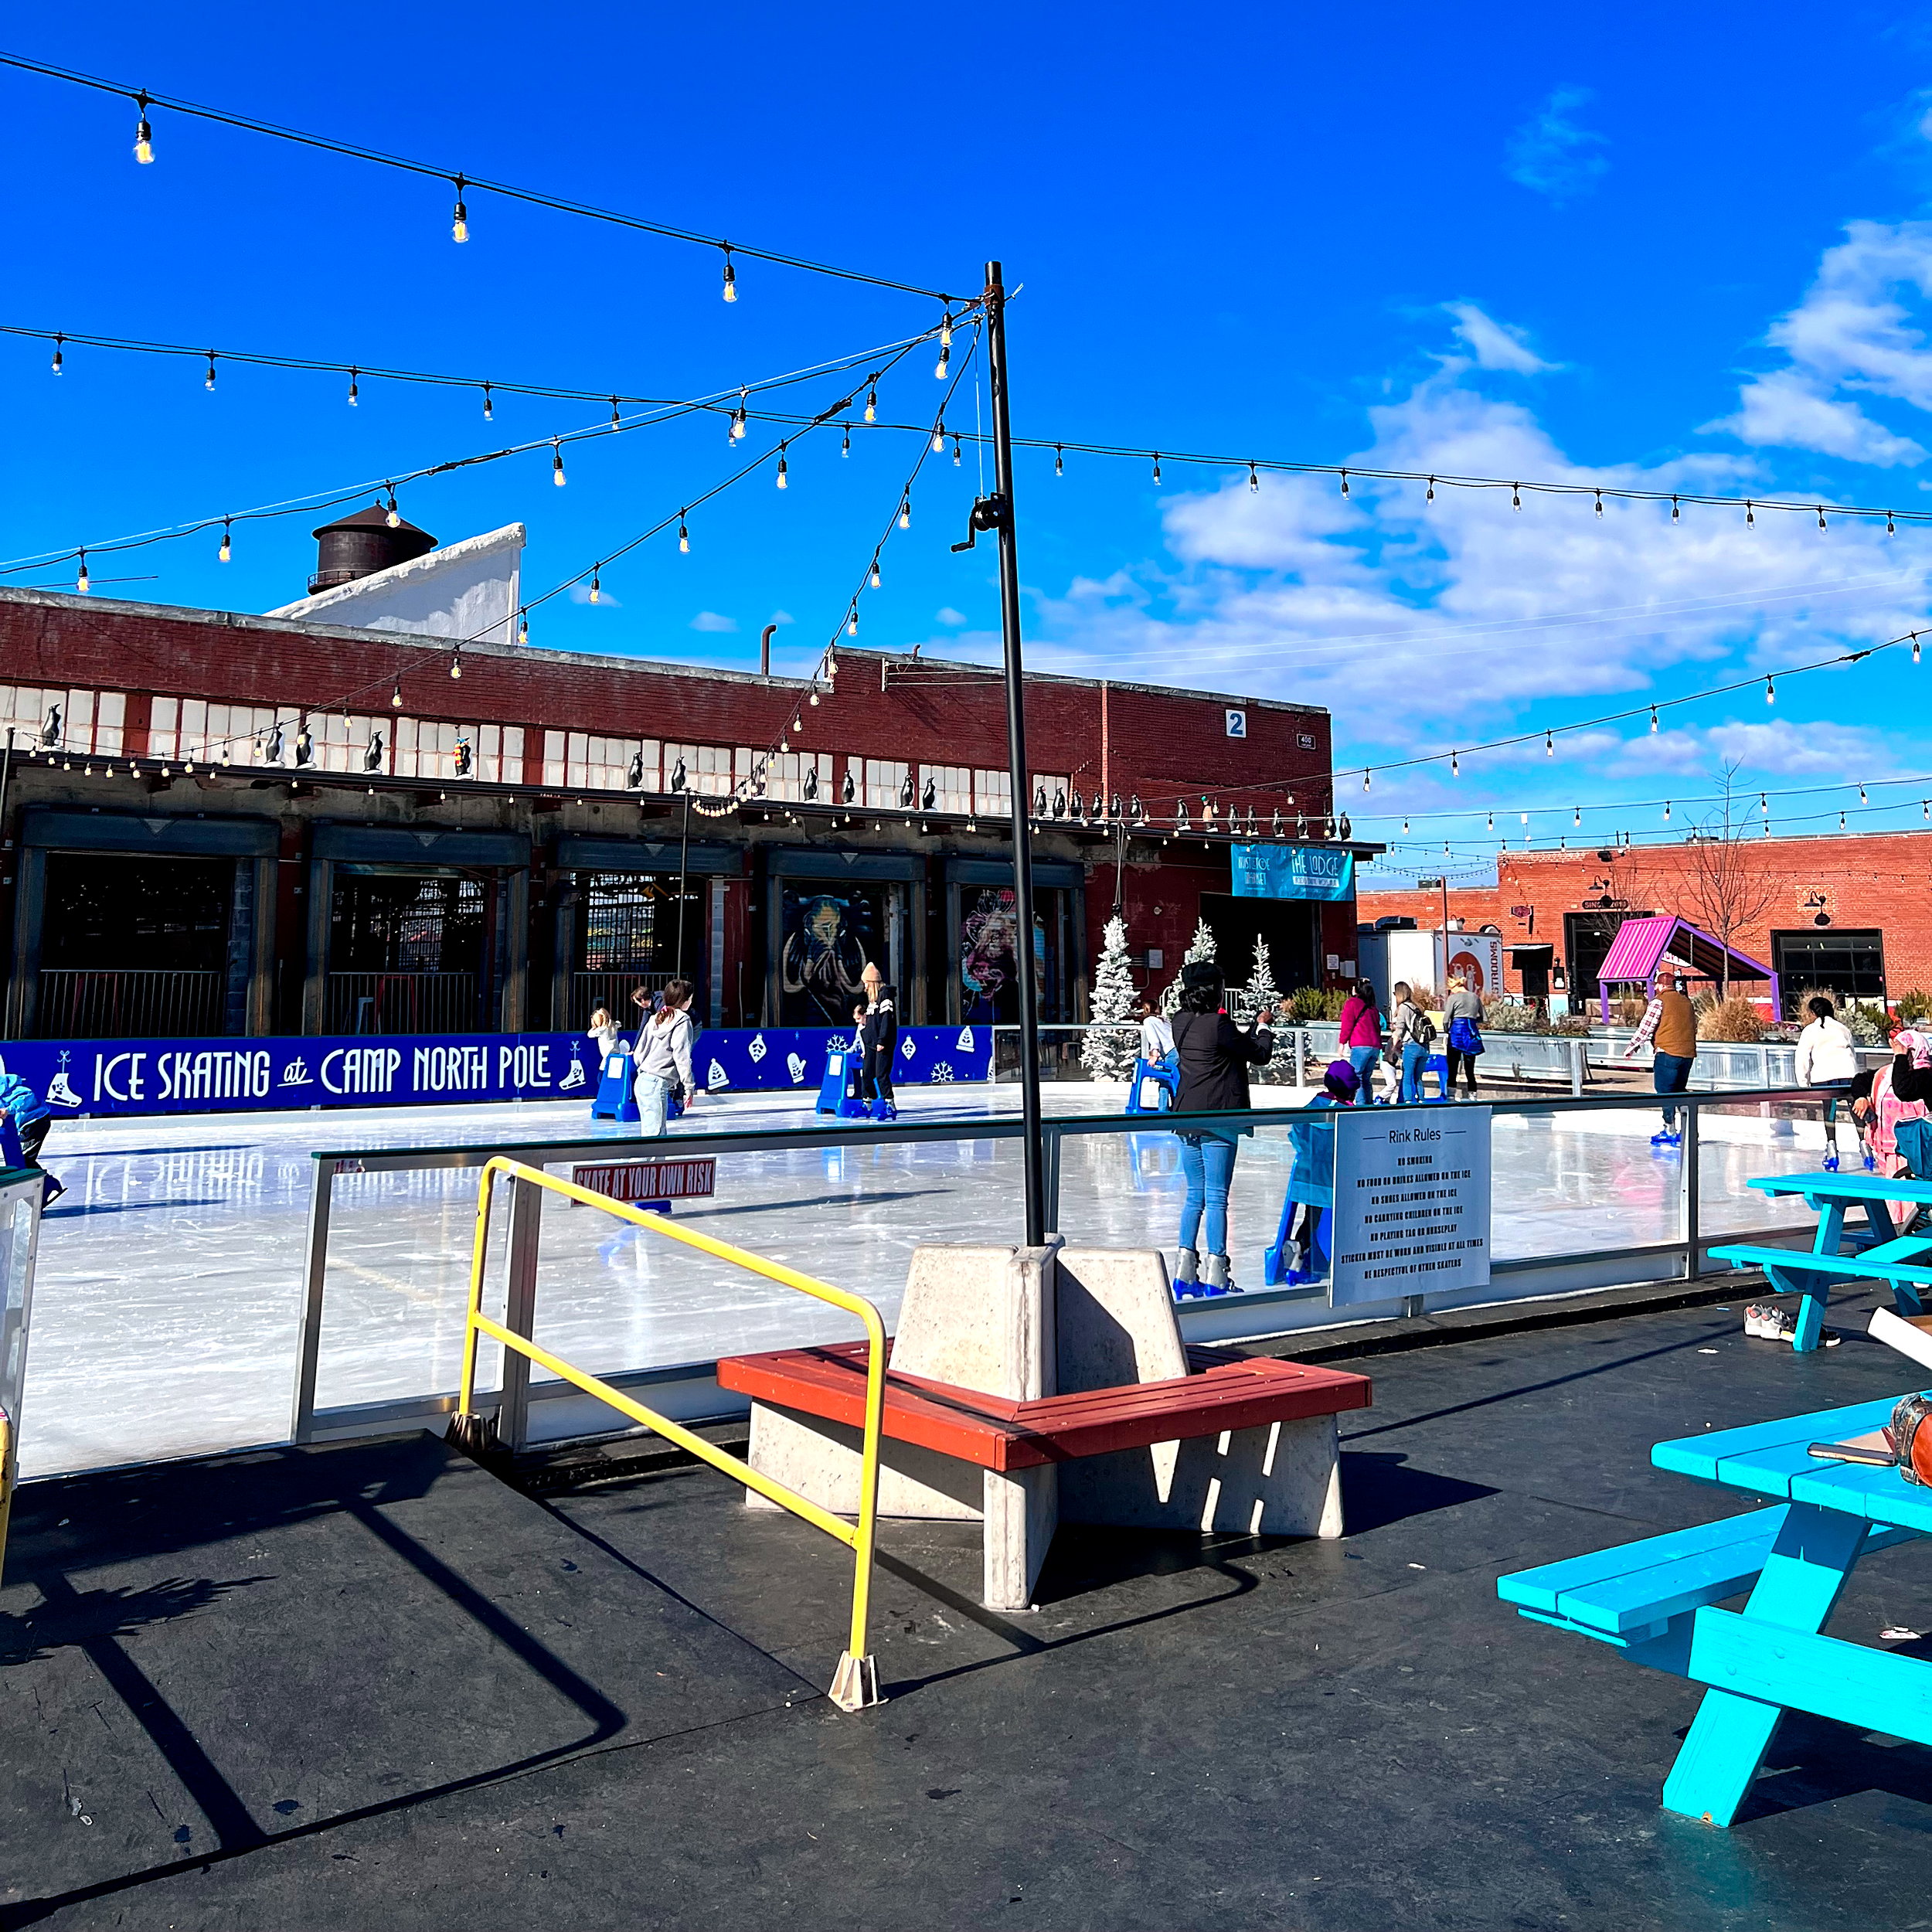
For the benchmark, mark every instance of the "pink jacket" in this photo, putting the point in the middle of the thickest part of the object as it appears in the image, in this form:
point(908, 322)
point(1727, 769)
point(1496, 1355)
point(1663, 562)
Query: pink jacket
point(1361, 1024)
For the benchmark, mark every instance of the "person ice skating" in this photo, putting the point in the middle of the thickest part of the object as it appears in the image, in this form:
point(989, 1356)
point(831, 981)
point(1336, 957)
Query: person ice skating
point(662, 1057)
point(1314, 1144)
point(1826, 1059)
point(878, 1042)
point(1215, 1056)
point(603, 1033)
point(1157, 1035)
point(1361, 1037)
point(1670, 1026)
point(1410, 1031)
point(1462, 1022)
point(30, 1117)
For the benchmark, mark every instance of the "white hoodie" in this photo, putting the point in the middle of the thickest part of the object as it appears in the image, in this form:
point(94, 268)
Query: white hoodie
point(1825, 1053)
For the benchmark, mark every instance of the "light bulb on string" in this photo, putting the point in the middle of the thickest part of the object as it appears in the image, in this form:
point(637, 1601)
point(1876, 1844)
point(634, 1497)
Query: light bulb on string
point(1367, 778)
point(1059, 460)
point(814, 695)
point(1515, 496)
point(939, 436)
point(596, 587)
point(1771, 691)
point(872, 401)
point(845, 440)
point(456, 662)
point(58, 358)
point(1841, 822)
point(1765, 804)
point(955, 451)
point(523, 628)
point(1673, 506)
point(1157, 469)
point(1404, 826)
point(208, 382)
point(905, 512)
point(1599, 505)
point(1455, 765)
point(730, 276)
point(851, 622)
point(1653, 719)
point(1579, 819)
point(1492, 822)
point(226, 552)
point(614, 423)
point(1429, 495)
point(738, 424)
point(489, 408)
point(945, 356)
point(80, 581)
point(876, 579)
point(1344, 483)
point(355, 394)
point(1915, 647)
point(393, 517)
point(1550, 744)
point(460, 216)
point(1751, 516)
point(556, 464)
point(144, 133)
point(1666, 812)
point(1890, 530)
point(1254, 481)
point(684, 536)
point(783, 480)
point(395, 694)
point(1821, 516)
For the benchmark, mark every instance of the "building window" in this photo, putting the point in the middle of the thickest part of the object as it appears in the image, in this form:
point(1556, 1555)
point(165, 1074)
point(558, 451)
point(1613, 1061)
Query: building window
point(707, 768)
point(85, 722)
point(993, 794)
point(952, 788)
point(786, 772)
point(427, 748)
point(344, 741)
point(583, 761)
point(218, 734)
point(1847, 964)
point(885, 784)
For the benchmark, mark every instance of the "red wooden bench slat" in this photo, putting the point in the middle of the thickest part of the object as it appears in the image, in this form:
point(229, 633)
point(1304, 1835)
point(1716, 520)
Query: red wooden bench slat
point(1233, 1392)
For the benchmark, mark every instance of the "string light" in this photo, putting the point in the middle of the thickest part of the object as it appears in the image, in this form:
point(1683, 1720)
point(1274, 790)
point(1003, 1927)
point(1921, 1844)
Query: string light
point(460, 219)
point(945, 356)
point(1059, 460)
point(939, 437)
point(784, 482)
point(489, 408)
point(1841, 822)
point(1550, 744)
point(1821, 516)
point(1157, 469)
point(80, 582)
point(1492, 822)
point(355, 394)
point(1915, 647)
point(851, 622)
point(955, 452)
point(1667, 812)
point(396, 696)
point(872, 401)
point(144, 133)
point(1653, 719)
point(523, 628)
point(1515, 496)
point(1751, 516)
point(1579, 819)
point(1345, 484)
point(740, 423)
point(1600, 504)
point(1254, 481)
point(58, 358)
point(730, 276)
point(1673, 504)
point(1366, 776)
point(615, 422)
point(227, 550)
point(1861, 794)
point(209, 381)
point(876, 579)
point(1429, 495)
point(556, 464)
point(394, 517)
point(684, 536)
point(1455, 765)
point(1771, 691)
point(456, 662)
point(905, 511)
point(845, 440)
point(596, 587)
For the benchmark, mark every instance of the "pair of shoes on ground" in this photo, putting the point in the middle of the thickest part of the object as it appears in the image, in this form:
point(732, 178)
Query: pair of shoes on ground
point(1766, 1321)
point(1669, 1138)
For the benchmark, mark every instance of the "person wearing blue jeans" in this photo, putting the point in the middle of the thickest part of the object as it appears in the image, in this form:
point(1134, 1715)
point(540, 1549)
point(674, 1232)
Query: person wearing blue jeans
point(1207, 1165)
point(1408, 1035)
point(1670, 1074)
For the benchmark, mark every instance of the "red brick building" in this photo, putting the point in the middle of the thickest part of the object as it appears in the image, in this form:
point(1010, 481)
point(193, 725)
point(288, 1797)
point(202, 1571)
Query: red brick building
point(219, 823)
point(1850, 913)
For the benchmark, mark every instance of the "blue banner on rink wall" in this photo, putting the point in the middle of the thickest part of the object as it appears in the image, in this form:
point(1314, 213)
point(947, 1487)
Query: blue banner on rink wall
point(77, 1077)
point(1293, 872)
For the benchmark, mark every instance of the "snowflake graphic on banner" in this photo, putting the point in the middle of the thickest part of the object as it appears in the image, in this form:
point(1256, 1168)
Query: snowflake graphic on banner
point(942, 1071)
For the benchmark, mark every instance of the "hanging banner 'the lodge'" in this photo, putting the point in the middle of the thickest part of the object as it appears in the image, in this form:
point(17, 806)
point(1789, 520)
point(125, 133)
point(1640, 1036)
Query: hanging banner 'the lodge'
point(1293, 872)
point(77, 1077)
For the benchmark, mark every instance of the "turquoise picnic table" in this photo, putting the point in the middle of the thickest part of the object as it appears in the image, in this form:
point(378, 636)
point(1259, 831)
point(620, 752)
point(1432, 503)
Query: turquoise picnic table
point(1903, 1262)
point(1657, 1600)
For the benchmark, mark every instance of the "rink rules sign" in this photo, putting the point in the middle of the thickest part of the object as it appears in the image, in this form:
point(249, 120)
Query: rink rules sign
point(1411, 1203)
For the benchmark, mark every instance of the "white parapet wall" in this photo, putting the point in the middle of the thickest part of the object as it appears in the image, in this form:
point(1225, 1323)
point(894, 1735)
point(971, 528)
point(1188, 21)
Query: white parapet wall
point(468, 590)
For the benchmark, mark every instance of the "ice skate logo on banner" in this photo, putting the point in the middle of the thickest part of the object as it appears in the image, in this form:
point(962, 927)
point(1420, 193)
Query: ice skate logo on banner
point(964, 1042)
point(717, 1077)
point(296, 1073)
point(942, 1072)
point(576, 1077)
point(906, 1049)
point(59, 1093)
point(756, 1050)
point(795, 1067)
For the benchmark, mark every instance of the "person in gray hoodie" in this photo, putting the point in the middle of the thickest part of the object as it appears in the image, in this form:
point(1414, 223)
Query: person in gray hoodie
point(1462, 1023)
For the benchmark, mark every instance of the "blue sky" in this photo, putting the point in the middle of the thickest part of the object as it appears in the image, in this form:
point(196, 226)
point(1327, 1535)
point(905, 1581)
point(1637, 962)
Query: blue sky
point(1675, 247)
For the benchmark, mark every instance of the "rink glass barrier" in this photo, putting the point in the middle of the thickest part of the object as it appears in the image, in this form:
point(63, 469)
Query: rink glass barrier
point(1581, 1199)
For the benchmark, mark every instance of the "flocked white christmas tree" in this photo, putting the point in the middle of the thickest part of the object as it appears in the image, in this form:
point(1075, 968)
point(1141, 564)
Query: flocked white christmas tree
point(1201, 947)
point(1109, 1049)
point(1260, 995)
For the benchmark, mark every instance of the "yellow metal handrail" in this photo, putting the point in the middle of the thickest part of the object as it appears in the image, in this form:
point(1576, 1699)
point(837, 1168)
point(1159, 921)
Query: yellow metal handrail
point(855, 1683)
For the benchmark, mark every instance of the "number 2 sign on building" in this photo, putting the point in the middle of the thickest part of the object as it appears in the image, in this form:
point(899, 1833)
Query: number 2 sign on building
point(1411, 1203)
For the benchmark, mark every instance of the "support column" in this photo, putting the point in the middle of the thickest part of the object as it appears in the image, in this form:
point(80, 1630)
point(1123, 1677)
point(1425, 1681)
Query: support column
point(516, 948)
point(29, 907)
point(322, 903)
point(260, 1016)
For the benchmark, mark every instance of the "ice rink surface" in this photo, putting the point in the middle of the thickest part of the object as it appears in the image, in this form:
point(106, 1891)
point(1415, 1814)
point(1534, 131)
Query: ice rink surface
point(169, 1284)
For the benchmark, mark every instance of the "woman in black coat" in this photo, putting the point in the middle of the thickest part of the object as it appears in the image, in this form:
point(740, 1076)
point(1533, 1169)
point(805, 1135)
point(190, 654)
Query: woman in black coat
point(878, 1040)
point(1215, 1056)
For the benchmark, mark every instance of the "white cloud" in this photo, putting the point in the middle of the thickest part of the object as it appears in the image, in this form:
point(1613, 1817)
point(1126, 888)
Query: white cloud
point(1494, 344)
point(1417, 622)
point(949, 615)
point(1551, 155)
point(1856, 330)
point(781, 617)
point(711, 621)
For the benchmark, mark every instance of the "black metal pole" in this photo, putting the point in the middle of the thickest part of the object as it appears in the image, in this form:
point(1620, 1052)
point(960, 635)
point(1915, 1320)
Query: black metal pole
point(684, 866)
point(1035, 1192)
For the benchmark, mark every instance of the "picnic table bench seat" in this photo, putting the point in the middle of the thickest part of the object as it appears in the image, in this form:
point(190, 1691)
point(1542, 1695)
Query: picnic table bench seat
point(1901, 1264)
